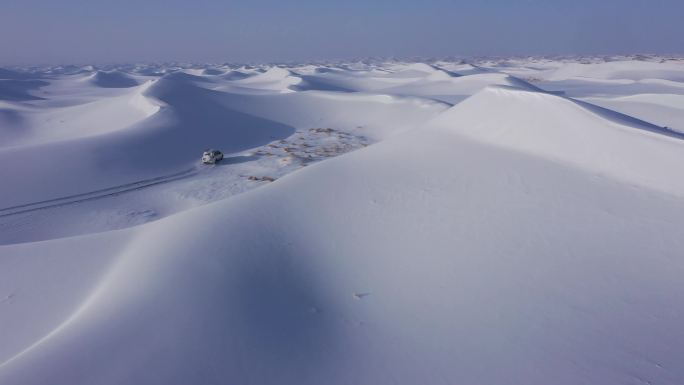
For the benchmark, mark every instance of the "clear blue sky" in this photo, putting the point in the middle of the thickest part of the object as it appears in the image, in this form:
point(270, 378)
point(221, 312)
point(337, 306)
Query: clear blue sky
point(115, 31)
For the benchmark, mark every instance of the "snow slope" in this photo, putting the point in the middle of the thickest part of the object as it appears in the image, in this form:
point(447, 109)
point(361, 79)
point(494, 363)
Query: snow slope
point(516, 237)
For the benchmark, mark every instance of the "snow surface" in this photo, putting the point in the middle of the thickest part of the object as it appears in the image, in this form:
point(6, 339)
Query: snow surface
point(514, 221)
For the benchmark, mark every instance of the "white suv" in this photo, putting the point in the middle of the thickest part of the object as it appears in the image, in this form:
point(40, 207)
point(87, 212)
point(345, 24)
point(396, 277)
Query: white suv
point(211, 156)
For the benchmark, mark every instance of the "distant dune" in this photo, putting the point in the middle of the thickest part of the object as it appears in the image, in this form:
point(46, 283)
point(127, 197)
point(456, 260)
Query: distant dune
point(113, 79)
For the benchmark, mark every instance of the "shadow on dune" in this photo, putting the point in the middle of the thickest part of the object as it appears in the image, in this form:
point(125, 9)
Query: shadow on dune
point(237, 160)
point(18, 90)
point(11, 126)
point(180, 76)
point(249, 311)
point(627, 120)
point(283, 317)
point(10, 118)
point(213, 71)
point(236, 75)
point(317, 83)
point(525, 85)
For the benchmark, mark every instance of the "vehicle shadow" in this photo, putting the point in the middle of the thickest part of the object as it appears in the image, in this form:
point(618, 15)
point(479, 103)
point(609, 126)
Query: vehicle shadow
point(237, 160)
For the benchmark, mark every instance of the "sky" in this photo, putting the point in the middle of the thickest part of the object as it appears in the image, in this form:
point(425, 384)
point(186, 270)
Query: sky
point(118, 31)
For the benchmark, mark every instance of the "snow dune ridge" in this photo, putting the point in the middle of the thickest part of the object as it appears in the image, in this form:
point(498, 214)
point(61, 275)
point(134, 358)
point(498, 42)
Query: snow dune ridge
point(600, 141)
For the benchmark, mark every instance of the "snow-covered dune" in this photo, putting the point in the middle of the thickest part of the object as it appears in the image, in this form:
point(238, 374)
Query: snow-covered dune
point(456, 89)
point(112, 79)
point(20, 89)
point(101, 116)
point(516, 237)
point(602, 142)
point(661, 108)
point(375, 116)
point(274, 79)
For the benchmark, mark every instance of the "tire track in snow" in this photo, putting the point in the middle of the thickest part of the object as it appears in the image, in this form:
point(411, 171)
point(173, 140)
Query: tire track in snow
point(97, 194)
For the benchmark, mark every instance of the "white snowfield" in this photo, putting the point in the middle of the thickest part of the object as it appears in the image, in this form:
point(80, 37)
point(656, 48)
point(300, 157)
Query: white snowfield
point(495, 222)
